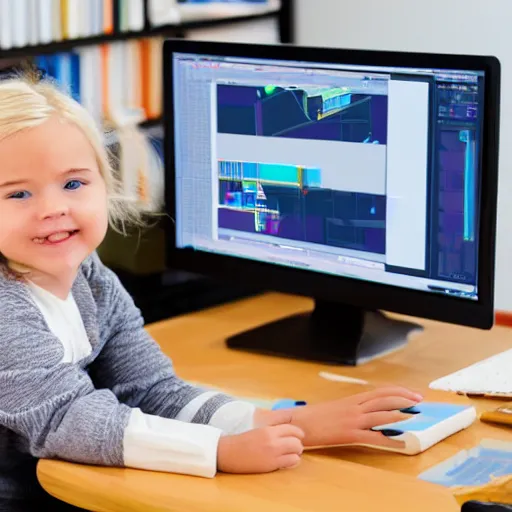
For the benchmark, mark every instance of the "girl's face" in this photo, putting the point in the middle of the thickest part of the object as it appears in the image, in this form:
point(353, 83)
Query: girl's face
point(53, 199)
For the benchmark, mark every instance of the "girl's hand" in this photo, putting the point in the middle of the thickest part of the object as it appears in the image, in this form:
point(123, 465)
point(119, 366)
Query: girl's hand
point(262, 450)
point(348, 420)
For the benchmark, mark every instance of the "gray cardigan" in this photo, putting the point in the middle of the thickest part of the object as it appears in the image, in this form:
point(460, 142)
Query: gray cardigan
point(78, 412)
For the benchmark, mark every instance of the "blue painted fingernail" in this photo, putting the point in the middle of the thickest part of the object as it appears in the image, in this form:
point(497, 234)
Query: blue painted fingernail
point(410, 410)
point(299, 403)
point(390, 432)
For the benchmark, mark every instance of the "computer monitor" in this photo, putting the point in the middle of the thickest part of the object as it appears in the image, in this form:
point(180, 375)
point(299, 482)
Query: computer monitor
point(366, 180)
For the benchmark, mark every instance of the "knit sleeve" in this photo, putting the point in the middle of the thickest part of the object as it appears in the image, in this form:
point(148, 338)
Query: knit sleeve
point(53, 405)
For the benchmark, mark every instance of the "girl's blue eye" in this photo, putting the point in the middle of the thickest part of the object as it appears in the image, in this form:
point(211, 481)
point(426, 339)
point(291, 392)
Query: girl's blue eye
point(73, 185)
point(19, 195)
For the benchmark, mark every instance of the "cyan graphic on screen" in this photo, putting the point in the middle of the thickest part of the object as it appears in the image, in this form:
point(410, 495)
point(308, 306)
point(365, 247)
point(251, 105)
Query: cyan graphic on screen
point(241, 187)
point(468, 138)
point(457, 204)
point(457, 105)
point(283, 174)
point(320, 102)
point(304, 112)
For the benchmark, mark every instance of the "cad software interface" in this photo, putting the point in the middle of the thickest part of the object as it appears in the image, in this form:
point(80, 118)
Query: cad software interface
point(358, 171)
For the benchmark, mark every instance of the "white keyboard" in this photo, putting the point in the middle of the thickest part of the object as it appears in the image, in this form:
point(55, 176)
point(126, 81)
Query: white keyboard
point(492, 376)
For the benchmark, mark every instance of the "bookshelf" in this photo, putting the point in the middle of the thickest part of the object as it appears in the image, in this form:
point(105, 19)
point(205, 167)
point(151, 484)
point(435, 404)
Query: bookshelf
point(178, 30)
point(139, 261)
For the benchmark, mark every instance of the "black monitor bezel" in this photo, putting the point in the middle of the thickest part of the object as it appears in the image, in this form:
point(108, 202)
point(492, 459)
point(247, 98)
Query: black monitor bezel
point(265, 276)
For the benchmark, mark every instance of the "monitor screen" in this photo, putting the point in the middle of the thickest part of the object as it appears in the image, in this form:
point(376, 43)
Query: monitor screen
point(367, 172)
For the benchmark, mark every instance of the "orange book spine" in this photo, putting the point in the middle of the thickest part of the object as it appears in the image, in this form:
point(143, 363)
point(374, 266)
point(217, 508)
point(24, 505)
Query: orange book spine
point(145, 61)
point(504, 318)
point(108, 16)
point(105, 50)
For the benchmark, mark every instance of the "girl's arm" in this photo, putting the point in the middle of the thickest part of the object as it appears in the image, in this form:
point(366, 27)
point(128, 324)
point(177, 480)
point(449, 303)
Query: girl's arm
point(57, 412)
point(134, 367)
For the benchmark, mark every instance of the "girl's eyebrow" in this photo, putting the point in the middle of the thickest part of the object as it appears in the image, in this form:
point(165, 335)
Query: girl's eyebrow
point(22, 182)
point(77, 169)
point(12, 183)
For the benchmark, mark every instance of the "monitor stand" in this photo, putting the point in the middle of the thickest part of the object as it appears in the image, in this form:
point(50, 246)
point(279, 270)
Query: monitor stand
point(332, 333)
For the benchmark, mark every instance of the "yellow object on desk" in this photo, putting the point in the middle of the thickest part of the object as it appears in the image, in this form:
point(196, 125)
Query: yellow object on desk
point(502, 415)
point(498, 490)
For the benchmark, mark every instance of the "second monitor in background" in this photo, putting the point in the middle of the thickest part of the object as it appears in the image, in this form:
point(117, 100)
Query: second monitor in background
point(365, 180)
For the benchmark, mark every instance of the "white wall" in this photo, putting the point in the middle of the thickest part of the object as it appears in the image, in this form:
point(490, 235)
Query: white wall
point(444, 26)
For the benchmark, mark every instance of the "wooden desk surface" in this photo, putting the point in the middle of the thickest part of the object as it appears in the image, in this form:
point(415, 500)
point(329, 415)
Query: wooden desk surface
point(326, 478)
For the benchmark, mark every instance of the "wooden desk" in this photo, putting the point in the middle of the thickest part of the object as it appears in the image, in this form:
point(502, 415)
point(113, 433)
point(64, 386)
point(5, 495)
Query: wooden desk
point(326, 479)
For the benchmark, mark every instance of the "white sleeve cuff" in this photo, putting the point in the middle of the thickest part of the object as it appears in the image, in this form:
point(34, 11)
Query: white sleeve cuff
point(234, 417)
point(162, 444)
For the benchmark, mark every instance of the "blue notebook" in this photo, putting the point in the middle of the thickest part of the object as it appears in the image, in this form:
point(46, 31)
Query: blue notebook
point(477, 466)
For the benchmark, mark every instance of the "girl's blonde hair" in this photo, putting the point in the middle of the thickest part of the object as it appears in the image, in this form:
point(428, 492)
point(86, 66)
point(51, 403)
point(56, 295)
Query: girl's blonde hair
point(27, 101)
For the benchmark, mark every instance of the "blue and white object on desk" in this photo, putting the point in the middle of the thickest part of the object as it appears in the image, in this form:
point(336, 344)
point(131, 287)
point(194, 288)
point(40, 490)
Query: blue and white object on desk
point(429, 424)
point(287, 403)
point(477, 466)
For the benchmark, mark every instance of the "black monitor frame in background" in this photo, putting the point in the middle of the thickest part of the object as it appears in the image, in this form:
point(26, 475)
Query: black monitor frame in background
point(345, 325)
